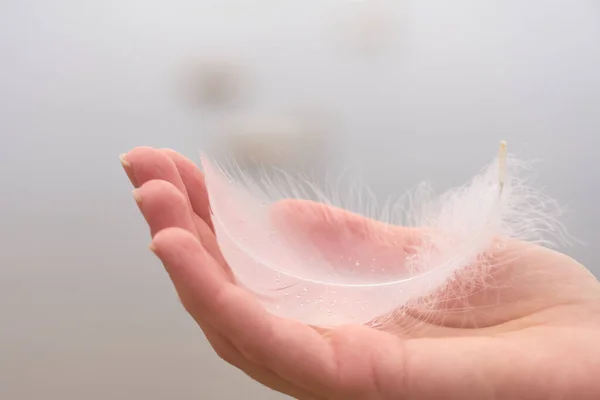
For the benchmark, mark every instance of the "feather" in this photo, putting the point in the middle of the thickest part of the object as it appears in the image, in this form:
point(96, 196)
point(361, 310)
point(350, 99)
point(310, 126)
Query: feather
point(301, 251)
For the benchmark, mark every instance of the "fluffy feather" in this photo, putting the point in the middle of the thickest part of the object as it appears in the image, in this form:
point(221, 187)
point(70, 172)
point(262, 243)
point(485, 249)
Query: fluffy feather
point(297, 248)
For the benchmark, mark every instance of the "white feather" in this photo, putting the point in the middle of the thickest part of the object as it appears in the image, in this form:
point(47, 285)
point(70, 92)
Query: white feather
point(318, 264)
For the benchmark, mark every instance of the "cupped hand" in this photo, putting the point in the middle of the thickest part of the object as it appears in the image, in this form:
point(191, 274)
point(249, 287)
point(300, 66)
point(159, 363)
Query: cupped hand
point(531, 331)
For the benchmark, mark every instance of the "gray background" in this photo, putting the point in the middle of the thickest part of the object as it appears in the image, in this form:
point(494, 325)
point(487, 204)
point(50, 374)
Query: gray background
point(87, 313)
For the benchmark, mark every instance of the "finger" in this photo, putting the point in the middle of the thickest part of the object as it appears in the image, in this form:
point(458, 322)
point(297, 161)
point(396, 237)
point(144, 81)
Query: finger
point(332, 232)
point(326, 221)
point(163, 206)
point(195, 185)
point(129, 170)
point(209, 242)
point(297, 352)
point(145, 164)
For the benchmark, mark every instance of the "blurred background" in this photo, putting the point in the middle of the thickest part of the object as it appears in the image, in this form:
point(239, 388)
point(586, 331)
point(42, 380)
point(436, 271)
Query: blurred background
point(399, 91)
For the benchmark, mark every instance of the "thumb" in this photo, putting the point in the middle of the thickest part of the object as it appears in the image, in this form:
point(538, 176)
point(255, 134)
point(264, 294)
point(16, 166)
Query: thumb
point(344, 238)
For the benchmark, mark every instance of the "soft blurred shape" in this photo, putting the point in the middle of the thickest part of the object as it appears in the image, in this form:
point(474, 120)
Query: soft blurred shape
point(214, 82)
point(86, 312)
point(371, 27)
point(272, 140)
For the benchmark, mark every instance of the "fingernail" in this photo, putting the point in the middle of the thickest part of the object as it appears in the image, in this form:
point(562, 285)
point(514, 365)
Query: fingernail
point(124, 161)
point(137, 197)
point(128, 169)
point(152, 248)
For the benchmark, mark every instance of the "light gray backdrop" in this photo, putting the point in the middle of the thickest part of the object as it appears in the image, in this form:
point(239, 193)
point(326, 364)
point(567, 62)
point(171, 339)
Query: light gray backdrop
point(87, 313)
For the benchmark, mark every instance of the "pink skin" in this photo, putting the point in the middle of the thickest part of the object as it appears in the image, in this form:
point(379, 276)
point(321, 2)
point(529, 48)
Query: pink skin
point(540, 340)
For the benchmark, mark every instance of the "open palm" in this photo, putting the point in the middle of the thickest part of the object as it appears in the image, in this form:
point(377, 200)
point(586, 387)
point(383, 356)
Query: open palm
point(533, 333)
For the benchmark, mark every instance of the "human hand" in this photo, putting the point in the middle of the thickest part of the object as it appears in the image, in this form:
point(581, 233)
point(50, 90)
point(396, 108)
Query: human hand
point(532, 334)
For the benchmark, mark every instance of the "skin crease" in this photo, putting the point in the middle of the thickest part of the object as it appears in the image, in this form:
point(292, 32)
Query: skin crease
point(533, 333)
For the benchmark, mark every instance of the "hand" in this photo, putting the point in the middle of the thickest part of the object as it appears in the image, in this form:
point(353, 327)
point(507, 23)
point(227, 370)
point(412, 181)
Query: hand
point(531, 332)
